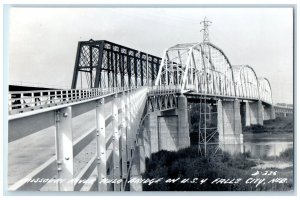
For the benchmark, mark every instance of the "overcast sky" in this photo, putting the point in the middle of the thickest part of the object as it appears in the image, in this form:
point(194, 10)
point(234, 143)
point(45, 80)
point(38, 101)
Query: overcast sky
point(43, 41)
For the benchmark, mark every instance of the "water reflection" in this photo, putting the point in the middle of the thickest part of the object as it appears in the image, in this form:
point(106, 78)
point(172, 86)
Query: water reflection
point(261, 145)
point(266, 149)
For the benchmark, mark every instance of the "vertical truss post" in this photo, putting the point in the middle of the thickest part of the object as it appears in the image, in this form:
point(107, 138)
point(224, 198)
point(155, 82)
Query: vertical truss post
point(98, 80)
point(101, 145)
point(116, 148)
point(152, 72)
point(108, 64)
point(135, 70)
point(147, 68)
point(121, 68)
point(142, 69)
point(91, 66)
point(64, 149)
point(76, 67)
point(129, 70)
point(115, 72)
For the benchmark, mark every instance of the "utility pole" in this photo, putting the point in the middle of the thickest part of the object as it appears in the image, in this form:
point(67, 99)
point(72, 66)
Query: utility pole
point(206, 24)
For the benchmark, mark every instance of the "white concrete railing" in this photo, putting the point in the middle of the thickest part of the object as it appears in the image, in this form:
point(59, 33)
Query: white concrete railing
point(163, 89)
point(117, 120)
point(24, 101)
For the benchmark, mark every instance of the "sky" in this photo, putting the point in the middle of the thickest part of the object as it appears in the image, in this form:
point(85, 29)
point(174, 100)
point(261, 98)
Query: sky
point(43, 41)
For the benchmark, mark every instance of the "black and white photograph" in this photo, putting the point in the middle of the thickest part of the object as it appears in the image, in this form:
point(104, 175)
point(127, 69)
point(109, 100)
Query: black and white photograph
point(150, 98)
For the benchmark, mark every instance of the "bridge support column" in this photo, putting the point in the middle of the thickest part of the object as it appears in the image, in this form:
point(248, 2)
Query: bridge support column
point(123, 138)
point(64, 149)
point(153, 129)
point(229, 126)
point(147, 138)
point(256, 113)
point(183, 123)
point(101, 146)
point(129, 125)
point(269, 112)
point(138, 163)
point(135, 174)
point(273, 115)
point(141, 145)
point(168, 130)
point(245, 114)
point(116, 146)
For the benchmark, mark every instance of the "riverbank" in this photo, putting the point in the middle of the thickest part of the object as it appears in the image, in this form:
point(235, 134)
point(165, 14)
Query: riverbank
point(223, 172)
point(280, 125)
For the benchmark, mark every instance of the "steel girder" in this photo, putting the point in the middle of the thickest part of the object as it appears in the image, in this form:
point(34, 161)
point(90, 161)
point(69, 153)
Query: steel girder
point(265, 90)
point(161, 102)
point(103, 64)
point(204, 68)
point(198, 67)
point(246, 81)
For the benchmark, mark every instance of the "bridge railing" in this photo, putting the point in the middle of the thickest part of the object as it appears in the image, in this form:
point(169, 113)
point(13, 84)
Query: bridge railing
point(91, 139)
point(163, 89)
point(24, 101)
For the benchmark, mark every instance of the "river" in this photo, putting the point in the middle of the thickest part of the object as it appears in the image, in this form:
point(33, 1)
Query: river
point(263, 145)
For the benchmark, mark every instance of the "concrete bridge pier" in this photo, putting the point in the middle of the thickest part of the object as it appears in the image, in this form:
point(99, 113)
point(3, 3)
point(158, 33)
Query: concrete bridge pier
point(269, 112)
point(135, 173)
point(245, 114)
point(147, 138)
point(153, 131)
point(138, 163)
point(230, 126)
point(183, 123)
point(169, 130)
point(256, 113)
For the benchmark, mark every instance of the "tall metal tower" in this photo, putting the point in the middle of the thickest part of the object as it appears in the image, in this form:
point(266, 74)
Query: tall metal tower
point(206, 24)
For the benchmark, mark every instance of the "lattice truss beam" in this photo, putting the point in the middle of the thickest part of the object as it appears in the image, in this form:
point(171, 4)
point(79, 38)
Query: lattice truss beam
point(103, 64)
point(246, 81)
point(161, 102)
point(265, 90)
point(205, 69)
point(202, 68)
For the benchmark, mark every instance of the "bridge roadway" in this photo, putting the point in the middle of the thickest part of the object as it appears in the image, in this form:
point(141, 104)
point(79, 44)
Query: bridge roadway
point(41, 151)
point(37, 139)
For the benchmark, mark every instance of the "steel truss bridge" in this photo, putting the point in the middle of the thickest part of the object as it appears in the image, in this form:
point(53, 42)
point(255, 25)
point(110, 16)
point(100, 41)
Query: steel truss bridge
point(95, 130)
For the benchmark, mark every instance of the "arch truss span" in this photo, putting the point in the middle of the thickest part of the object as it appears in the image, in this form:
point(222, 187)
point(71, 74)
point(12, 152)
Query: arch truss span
point(265, 90)
point(199, 67)
point(246, 82)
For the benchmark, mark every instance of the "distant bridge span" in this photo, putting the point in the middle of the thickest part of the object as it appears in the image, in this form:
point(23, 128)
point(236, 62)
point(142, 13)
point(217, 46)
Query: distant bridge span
point(129, 104)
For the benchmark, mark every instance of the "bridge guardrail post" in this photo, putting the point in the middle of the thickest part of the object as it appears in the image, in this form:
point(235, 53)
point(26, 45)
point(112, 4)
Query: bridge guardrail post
point(128, 127)
point(123, 137)
point(9, 102)
point(101, 145)
point(32, 100)
point(116, 147)
point(64, 149)
point(22, 101)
